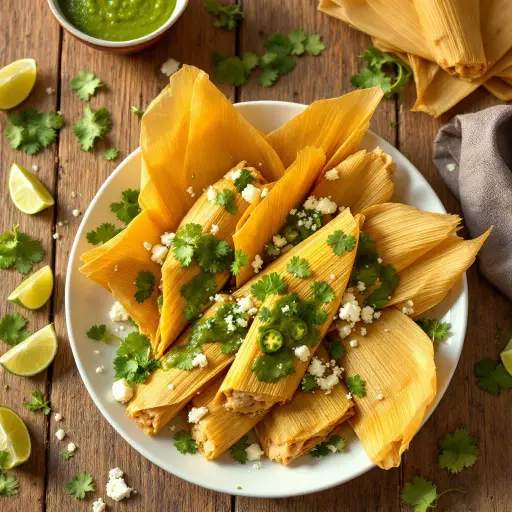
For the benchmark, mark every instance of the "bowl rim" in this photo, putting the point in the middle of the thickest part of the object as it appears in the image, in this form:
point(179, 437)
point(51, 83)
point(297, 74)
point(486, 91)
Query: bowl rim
point(67, 25)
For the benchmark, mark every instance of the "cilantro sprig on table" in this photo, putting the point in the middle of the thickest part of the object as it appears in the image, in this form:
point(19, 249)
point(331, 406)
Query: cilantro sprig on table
point(335, 444)
point(227, 16)
point(137, 111)
point(299, 267)
point(184, 443)
point(91, 126)
point(458, 451)
point(20, 251)
point(238, 450)
point(85, 85)
point(12, 329)
point(270, 284)
point(101, 333)
point(66, 454)
point(111, 154)
point(128, 208)
point(492, 377)
point(435, 329)
point(422, 494)
point(38, 403)
point(8, 485)
point(80, 485)
point(378, 71)
point(356, 385)
point(102, 234)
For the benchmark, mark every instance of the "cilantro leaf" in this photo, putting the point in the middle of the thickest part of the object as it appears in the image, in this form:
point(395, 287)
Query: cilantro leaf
point(128, 208)
point(137, 111)
point(101, 333)
point(238, 450)
point(66, 455)
point(231, 69)
point(264, 314)
point(227, 16)
point(184, 443)
point(38, 403)
point(272, 367)
point(492, 377)
point(299, 267)
point(226, 199)
point(340, 242)
point(85, 85)
point(102, 234)
point(389, 280)
point(356, 386)
point(12, 329)
point(250, 61)
point(268, 77)
point(435, 329)
point(297, 37)
point(19, 250)
point(270, 284)
point(279, 44)
point(91, 126)
point(240, 261)
point(314, 45)
point(458, 451)
point(323, 292)
point(145, 284)
point(336, 349)
point(198, 292)
point(245, 178)
point(81, 484)
point(334, 444)
point(308, 383)
point(8, 485)
point(320, 450)
point(337, 442)
point(31, 130)
point(213, 255)
point(420, 493)
point(181, 357)
point(111, 154)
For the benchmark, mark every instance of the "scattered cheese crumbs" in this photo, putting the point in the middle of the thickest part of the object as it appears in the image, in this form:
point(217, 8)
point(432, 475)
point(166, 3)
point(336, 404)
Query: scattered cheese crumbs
point(71, 447)
point(60, 434)
point(76, 213)
point(257, 465)
point(349, 396)
point(380, 396)
point(211, 195)
point(147, 246)
point(159, 253)
point(250, 193)
point(196, 413)
point(342, 208)
point(353, 343)
point(200, 360)
point(116, 268)
point(451, 167)
point(244, 304)
point(364, 331)
point(257, 263)
point(377, 314)
point(323, 205)
point(264, 192)
point(332, 175)
point(50, 90)
point(242, 322)
point(96, 352)
point(367, 314)
point(351, 311)
point(344, 330)
point(386, 330)
point(279, 241)
point(167, 238)
point(285, 309)
point(169, 67)
point(60, 223)
point(219, 297)
point(58, 416)
point(73, 195)
point(316, 367)
point(118, 313)
point(230, 322)
point(56, 236)
point(379, 261)
point(116, 486)
point(170, 386)
point(190, 192)
point(293, 211)
point(122, 391)
point(408, 309)
point(254, 452)
point(302, 353)
point(215, 229)
point(100, 369)
point(332, 277)
point(361, 286)
point(99, 505)
point(236, 174)
point(252, 311)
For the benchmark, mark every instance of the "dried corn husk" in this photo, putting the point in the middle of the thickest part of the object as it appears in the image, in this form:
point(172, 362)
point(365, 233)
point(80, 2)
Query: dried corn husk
point(174, 276)
point(365, 179)
point(270, 214)
point(396, 360)
point(500, 88)
point(429, 279)
point(403, 233)
point(292, 429)
point(328, 125)
point(241, 384)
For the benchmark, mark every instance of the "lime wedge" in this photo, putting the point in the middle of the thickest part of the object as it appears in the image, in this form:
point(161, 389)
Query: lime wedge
point(27, 192)
point(35, 291)
point(16, 81)
point(14, 438)
point(506, 357)
point(33, 355)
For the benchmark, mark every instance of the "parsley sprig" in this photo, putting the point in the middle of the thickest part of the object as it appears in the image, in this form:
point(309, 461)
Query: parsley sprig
point(322, 292)
point(38, 403)
point(336, 349)
point(226, 199)
point(245, 178)
point(340, 242)
point(20, 251)
point(80, 485)
point(238, 450)
point(12, 329)
point(111, 154)
point(85, 85)
point(66, 454)
point(91, 126)
point(458, 451)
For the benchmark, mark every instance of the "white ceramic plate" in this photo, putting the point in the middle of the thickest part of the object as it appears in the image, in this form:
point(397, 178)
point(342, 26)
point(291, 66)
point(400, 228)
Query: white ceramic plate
point(88, 304)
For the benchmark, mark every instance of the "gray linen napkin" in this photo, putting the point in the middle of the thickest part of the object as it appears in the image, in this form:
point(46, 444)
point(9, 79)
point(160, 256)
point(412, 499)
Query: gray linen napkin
point(473, 154)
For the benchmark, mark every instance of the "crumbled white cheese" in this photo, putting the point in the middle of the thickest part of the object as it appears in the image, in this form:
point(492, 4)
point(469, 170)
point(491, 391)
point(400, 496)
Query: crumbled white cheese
point(379, 261)
point(50, 90)
point(451, 167)
point(250, 193)
point(349, 396)
point(264, 192)
point(215, 229)
point(190, 192)
point(99, 505)
point(230, 322)
point(169, 67)
point(257, 465)
point(116, 486)
point(408, 309)
point(367, 314)
point(236, 174)
point(316, 368)
point(244, 304)
point(219, 297)
point(353, 343)
point(100, 369)
point(323, 205)
point(170, 386)
point(58, 416)
point(167, 238)
point(254, 452)
point(118, 313)
point(377, 315)
point(147, 246)
point(116, 268)
point(76, 213)
point(196, 413)
point(327, 383)
point(344, 330)
point(242, 322)
point(159, 253)
point(257, 263)
point(350, 311)
point(115, 473)
point(332, 277)
point(122, 391)
point(364, 331)
point(71, 447)
point(56, 236)
point(332, 448)
point(380, 396)
point(302, 353)
point(361, 286)
point(285, 309)
point(211, 195)
point(293, 211)
point(35, 168)
point(200, 360)
point(279, 241)
point(252, 311)
point(73, 195)
point(332, 175)
point(60, 434)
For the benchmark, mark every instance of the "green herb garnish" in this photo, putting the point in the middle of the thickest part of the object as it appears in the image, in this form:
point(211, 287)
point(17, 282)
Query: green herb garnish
point(197, 292)
point(91, 126)
point(340, 242)
point(101, 333)
point(270, 284)
point(81, 484)
point(492, 377)
point(458, 451)
point(8, 485)
point(145, 284)
point(20, 251)
point(238, 450)
point(435, 329)
point(309, 383)
point(102, 234)
point(299, 267)
point(12, 329)
point(137, 111)
point(245, 178)
point(227, 16)
point(336, 349)
point(128, 208)
point(66, 454)
point(356, 386)
point(234, 70)
point(335, 444)
point(322, 292)
point(111, 154)
point(264, 314)
point(184, 443)
point(240, 261)
point(226, 199)
point(85, 85)
point(422, 494)
point(38, 403)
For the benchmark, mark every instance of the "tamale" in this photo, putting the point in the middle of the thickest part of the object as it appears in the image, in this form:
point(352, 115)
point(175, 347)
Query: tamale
point(500, 88)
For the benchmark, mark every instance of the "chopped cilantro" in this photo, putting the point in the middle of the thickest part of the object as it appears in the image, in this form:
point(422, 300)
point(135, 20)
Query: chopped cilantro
point(184, 443)
point(101, 333)
point(336, 349)
point(335, 444)
point(245, 178)
point(103, 233)
point(198, 292)
point(264, 314)
point(85, 85)
point(270, 284)
point(111, 154)
point(435, 329)
point(145, 284)
point(66, 454)
point(389, 279)
point(458, 451)
point(226, 199)
point(227, 16)
point(308, 383)
point(240, 261)
point(31, 130)
point(8, 485)
point(297, 37)
point(185, 242)
point(393, 124)
point(268, 77)
point(128, 208)
point(492, 377)
point(81, 484)
point(272, 367)
point(234, 70)
point(12, 329)
point(299, 267)
point(92, 125)
point(20, 251)
point(422, 494)
point(340, 242)
point(314, 45)
point(323, 292)
point(38, 403)
point(356, 386)
point(238, 450)
point(279, 44)
point(137, 111)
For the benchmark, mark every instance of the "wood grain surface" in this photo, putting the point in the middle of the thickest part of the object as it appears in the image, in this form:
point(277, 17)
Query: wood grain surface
point(28, 30)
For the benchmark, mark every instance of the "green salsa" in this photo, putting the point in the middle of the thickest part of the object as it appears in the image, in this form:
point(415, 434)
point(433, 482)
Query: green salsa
point(117, 20)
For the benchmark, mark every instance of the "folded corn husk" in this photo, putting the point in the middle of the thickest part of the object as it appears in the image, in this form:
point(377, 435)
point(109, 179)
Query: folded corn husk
point(403, 233)
point(336, 126)
point(292, 429)
point(268, 217)
point(500, 88)
point(174, 276)
point(429, 279)
point(396, 360)
point(241, 390)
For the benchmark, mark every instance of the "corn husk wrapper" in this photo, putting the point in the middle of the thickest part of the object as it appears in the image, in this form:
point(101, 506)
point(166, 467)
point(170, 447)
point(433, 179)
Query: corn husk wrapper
point(396, 360)
point(429, 279)
point(365, 179)
point(190, 135)
point(499, 88)
point(174, 276)
point(336, 126)
point(241, 382)
point(506, 74)
point(218, 429)
point(270, 214)
point(115, 266)
point(294, 428)
point(403, 233)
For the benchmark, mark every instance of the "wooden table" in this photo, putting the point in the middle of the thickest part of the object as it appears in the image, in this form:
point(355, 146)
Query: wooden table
point(27, 29)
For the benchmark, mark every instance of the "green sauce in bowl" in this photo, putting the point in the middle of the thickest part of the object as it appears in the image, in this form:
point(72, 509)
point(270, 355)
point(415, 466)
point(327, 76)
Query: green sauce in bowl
point(117, 20)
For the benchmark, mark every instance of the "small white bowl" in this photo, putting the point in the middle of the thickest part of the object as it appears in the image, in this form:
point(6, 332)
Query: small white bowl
point(119, 47)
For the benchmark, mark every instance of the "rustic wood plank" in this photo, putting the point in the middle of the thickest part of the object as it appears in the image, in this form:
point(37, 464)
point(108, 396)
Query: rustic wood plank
point(136, 80)
point(28, 33)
